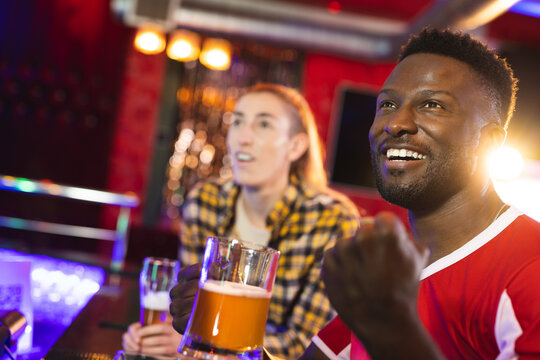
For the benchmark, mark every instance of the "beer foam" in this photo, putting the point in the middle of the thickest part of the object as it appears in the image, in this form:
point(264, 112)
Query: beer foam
point(235, 289)
point(156, 300)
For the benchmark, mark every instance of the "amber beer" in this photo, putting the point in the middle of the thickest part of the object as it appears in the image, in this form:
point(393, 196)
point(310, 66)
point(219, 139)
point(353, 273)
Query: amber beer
point(230, 315)
point(154, 308)
point(228, 318)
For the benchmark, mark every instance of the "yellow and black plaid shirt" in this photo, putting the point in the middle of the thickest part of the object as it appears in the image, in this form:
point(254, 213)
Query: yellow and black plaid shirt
point(303, 224)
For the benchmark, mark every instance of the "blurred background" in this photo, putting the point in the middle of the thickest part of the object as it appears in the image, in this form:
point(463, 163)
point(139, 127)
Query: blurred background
point(110, 111)
point(88, 100)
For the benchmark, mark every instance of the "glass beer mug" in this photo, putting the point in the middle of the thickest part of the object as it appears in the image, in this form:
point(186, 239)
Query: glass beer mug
point(157, 278)
point(228, 318)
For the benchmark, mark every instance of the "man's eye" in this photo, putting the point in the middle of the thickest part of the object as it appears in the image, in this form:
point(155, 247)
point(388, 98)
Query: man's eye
point(236, 122)
point(386, 104)
point(433, 104)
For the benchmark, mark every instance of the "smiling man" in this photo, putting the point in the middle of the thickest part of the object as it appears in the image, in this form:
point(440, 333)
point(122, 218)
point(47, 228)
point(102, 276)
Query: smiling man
point(465, 284)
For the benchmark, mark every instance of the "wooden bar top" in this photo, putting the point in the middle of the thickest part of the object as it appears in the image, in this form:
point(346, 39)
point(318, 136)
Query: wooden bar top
point(99, 327)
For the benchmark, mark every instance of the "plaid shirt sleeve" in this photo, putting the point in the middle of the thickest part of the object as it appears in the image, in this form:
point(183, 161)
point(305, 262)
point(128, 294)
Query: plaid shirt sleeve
point(199, 220)
point(311, 309)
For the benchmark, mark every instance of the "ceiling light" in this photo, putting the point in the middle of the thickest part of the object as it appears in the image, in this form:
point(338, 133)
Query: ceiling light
point(149, 41)
point(216, 54)
point(184, 45)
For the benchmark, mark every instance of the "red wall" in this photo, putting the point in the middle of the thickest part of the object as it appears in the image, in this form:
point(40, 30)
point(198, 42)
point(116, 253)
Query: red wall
point(135, 129)
point(518, 29)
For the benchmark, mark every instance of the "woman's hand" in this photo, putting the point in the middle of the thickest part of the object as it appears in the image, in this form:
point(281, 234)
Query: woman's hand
point(183, 296)
point(157, 339)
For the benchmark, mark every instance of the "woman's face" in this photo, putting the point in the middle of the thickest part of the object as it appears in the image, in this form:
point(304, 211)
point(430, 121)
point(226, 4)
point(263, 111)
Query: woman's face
point(259, 141)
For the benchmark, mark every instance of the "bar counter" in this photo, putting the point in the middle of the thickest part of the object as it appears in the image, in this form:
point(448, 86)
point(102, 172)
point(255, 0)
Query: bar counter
point(96, 333)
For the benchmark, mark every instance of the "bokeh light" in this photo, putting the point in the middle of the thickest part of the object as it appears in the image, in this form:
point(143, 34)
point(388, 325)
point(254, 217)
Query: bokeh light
point(505, 163)
point(216, 54)
point(184, 46)
point(149, 41)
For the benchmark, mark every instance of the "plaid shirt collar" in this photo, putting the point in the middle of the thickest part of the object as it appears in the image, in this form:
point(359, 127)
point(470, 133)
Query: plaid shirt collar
point(277, 216)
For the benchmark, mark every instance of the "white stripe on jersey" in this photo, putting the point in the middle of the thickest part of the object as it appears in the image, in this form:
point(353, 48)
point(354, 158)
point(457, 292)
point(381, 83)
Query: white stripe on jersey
point(344, 354)
point(507, 328)
point(476, 243)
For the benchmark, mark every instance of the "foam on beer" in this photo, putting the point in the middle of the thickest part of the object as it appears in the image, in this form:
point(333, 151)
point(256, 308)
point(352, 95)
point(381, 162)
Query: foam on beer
point(156, 300)
point(235, 289)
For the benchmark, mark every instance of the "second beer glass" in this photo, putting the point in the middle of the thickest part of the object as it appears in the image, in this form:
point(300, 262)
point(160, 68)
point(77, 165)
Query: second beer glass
point(157, 278)
point(229, 315)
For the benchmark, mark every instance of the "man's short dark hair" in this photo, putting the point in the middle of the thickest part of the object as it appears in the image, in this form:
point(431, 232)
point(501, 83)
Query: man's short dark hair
point(493, 69)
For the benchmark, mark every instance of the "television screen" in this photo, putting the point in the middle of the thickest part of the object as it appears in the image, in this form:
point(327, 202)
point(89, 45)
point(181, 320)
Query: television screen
point(349, 162)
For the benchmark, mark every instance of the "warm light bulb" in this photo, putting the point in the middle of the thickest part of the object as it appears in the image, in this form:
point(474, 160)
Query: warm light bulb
point(180, 49)
point(183, 46)
point(217, 58)
point(216, 54)
point(149, 41)
point(505, 163)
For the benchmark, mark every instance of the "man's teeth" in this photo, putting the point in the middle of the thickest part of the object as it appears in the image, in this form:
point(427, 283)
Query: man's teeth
point(403, 154)
point(244, 157)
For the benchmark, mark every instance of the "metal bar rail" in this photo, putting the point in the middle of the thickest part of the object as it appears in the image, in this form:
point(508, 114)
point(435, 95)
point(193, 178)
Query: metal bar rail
point(119, 236)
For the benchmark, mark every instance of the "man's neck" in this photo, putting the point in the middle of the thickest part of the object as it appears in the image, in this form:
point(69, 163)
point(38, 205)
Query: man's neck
point(456, 222)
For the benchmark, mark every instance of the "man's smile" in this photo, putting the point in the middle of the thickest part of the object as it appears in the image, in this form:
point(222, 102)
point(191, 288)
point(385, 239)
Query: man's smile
point(401, 158)
point(394, 154)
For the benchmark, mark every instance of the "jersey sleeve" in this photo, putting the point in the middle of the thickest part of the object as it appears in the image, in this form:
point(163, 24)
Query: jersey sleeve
point(334, 340)
point(519, 314)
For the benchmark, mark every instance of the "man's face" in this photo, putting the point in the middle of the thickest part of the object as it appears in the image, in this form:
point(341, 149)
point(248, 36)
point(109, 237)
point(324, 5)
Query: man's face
point(424, 137)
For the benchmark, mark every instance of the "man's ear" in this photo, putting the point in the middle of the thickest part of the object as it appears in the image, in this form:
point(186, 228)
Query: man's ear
point(299, 145)
point(492, 137)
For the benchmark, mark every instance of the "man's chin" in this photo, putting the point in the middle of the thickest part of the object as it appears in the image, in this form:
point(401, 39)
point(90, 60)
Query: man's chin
point(400, 195)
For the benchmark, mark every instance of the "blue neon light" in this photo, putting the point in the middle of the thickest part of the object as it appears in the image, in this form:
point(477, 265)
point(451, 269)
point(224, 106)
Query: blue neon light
point(527, 7)
point(45, 187)
point(60, 288)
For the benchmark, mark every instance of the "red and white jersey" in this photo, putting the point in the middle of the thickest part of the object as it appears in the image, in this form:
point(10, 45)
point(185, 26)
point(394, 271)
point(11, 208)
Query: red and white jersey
point(481, 301)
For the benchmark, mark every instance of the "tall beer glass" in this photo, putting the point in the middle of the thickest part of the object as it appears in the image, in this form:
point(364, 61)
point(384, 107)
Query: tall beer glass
point(157, 278)
point(229, 315)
